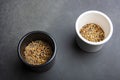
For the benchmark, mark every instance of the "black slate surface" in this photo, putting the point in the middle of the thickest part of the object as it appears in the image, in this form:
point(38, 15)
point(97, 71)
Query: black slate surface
point(57, 17)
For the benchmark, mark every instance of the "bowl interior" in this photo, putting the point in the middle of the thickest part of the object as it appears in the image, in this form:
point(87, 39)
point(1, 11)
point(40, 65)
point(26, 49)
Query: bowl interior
point(33, 36)
point(97, 18)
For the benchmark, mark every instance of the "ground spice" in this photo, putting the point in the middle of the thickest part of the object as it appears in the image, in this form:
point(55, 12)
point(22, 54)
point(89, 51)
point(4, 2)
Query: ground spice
point(37, 52)
point(92, 32)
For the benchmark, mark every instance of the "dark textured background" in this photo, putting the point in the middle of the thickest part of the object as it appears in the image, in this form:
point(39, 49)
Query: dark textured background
point(57, 17)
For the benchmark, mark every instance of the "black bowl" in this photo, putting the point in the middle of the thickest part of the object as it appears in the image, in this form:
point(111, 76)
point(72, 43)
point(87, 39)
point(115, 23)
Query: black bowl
point(32, 36)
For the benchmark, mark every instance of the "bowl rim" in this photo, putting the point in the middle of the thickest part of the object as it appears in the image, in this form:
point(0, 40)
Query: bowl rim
point(22, 39)
point(102, 14)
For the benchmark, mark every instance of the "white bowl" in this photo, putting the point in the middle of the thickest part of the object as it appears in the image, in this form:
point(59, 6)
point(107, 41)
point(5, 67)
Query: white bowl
point(96, 17)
